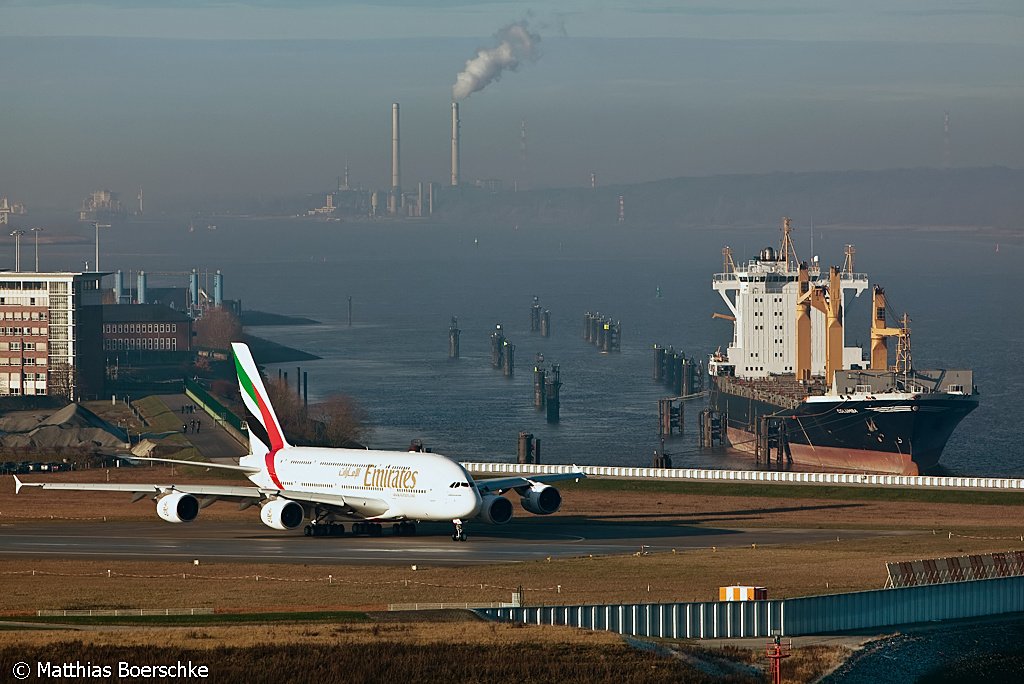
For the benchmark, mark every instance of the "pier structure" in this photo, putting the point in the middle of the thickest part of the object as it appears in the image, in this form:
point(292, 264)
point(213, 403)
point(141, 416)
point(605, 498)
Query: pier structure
point(683, 376)
point(602, 331)
point(670, 416)
point(714, 430)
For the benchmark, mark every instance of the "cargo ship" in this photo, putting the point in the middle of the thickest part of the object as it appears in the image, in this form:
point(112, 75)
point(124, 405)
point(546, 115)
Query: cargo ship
point(789, 390)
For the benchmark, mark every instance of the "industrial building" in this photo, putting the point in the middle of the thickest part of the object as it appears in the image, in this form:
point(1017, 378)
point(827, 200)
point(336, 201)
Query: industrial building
point(49, 325)
point(145, 332)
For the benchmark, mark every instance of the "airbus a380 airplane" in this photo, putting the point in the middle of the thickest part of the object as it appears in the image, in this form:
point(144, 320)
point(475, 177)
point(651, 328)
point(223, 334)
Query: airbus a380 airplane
point(332, 486)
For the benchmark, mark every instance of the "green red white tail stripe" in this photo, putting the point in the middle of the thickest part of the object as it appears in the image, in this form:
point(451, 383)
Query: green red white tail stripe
point(257, 401)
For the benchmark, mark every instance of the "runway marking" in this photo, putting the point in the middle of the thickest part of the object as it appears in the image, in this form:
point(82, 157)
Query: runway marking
point(250, 558)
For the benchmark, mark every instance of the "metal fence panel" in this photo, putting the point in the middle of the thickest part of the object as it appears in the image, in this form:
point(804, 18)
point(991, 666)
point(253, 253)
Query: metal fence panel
point(792, 617)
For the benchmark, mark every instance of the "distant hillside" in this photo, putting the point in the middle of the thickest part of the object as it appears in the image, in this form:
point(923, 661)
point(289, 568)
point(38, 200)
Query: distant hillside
point(987, 197)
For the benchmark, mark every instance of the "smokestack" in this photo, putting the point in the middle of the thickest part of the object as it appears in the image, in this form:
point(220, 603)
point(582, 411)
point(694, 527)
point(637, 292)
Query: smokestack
point(455, 144)
point(396, 173)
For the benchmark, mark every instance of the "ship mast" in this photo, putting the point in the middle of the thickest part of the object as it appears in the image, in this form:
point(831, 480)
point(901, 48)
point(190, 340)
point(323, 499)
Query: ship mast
point(787, 250)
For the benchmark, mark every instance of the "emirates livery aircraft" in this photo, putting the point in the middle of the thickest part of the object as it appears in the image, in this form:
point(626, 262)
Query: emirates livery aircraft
point(329, 487)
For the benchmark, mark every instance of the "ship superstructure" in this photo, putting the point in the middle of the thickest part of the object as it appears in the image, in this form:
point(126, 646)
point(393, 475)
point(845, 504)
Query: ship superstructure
point(789, 384)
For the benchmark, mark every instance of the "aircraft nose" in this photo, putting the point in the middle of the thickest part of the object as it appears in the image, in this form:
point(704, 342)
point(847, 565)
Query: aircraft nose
point(474, 502)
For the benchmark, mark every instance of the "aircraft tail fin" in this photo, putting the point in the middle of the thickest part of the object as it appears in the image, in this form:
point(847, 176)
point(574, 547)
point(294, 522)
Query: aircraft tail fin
point(257, 401)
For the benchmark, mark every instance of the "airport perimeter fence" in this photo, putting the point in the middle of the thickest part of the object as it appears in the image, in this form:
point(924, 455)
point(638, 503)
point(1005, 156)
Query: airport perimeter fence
point(122, 612)
point(752, 476)
point(786, 617)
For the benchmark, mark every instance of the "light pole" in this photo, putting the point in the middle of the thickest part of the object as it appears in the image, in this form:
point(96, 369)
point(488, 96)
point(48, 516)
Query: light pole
point(16, 234)
point(97, 225)
point(37, 231)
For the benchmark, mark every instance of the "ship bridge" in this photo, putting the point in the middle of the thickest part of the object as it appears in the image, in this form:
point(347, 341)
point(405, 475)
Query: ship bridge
point(762, 294)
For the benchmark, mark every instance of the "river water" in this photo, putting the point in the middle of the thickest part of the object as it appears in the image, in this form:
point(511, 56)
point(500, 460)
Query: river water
point(408, 279)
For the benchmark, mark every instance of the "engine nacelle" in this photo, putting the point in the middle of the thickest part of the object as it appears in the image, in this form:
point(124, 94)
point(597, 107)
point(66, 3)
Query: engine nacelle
point(541, 499)
point(282, 514)
point(177, 507)
point(497, 510)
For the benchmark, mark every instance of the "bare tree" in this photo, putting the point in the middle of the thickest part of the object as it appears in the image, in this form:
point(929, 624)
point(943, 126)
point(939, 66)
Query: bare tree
point(336, 422)
point(340, 420)
point(217, 329)
point(62, 379)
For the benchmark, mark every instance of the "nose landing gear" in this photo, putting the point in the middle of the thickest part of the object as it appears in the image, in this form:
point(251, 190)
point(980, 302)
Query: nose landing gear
point(460, 534)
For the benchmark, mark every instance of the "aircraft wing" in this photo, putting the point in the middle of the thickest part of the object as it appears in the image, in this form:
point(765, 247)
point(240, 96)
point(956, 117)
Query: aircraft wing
point(358, 506)
point(503, 484)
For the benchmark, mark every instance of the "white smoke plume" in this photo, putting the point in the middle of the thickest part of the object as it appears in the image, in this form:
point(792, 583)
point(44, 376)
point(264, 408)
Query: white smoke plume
point(516, 43)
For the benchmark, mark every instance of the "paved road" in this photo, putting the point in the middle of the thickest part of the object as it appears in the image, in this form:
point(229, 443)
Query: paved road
point(520, 540)
point(212, 441)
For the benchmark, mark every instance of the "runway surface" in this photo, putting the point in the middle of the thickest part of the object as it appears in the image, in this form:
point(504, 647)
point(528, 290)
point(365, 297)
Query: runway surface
point(525, 540)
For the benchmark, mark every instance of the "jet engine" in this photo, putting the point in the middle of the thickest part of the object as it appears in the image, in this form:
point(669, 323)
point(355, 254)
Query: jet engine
point(282, 514)
point(497, 510)
point(541, 499)
point(177, 507)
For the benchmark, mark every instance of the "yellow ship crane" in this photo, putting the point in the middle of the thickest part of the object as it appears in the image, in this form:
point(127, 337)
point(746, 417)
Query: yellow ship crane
point(880, 334)
point(829, 301)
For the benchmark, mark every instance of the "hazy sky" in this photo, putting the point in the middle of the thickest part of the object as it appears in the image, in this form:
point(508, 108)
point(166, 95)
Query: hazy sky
point(268, 96)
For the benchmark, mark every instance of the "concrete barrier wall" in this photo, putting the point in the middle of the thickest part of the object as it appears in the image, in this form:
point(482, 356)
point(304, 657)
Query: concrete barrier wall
point(790, 617)
point(756, 476)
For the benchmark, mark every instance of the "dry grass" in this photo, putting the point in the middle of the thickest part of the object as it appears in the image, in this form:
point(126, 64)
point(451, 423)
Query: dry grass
point(555, 652)
point(792, 570)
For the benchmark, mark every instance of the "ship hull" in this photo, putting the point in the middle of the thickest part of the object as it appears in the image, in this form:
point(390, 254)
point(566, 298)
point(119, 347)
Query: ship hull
point(900, 436)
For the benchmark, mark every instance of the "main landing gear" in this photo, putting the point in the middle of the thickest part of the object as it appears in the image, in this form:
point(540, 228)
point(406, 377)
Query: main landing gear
point(324, 530)
point(404, 529)
point(460, 534)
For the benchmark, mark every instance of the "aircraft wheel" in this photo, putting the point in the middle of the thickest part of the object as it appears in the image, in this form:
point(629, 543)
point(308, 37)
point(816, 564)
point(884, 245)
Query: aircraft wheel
point(308, 530)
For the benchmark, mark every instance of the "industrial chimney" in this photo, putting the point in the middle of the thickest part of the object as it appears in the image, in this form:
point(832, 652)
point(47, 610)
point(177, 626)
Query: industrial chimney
point(455, 144)
point(396, 173)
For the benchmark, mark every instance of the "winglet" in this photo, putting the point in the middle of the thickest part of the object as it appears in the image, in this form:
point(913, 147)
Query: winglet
point(18, 484)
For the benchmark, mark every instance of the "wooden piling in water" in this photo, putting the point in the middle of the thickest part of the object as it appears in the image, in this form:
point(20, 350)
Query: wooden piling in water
point(538, 387)
point(552, 400)
point(453, 338)
point(535, 315)
point(659, 363)
point(527, 452)
point(508, 359)
point(545, 324)
point(497, 346)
